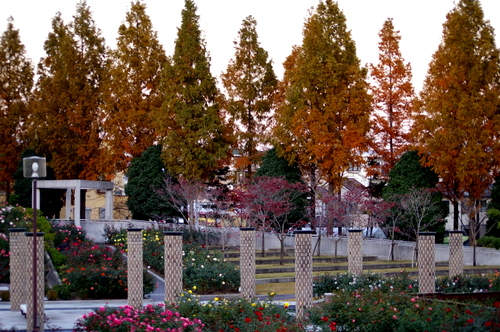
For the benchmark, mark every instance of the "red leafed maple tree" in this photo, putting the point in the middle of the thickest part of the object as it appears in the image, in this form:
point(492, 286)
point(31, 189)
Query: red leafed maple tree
point(266, 202)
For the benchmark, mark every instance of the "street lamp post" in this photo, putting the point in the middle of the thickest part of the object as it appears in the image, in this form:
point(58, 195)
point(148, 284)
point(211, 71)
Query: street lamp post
point(34, 167)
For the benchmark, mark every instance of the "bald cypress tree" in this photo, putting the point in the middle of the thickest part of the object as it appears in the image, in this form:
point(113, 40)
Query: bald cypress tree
point(323, 119)
point(66, 122)
point(393, 95)
point(132, 92)
point(457, 123)
point(250, 84)
point(16, 82)
point(190, 120)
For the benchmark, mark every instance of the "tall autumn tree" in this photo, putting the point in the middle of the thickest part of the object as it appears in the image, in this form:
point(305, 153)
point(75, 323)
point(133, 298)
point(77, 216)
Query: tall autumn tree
point(66, 119)
point(250, 84)
point(393, 95)
point(457, 121)
point(190, 120)
point(133, 88)
point(16, 82)
point(323, 119)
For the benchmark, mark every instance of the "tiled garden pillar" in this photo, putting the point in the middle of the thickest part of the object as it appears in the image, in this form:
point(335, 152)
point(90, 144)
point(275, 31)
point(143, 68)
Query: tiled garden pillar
point(39, 275)
point(355, 251)
point(247, 262)
point(134, 266)
point(456, 266)
point(173, 266)
point(18, 267)
point(426, 262)
point(303, 273)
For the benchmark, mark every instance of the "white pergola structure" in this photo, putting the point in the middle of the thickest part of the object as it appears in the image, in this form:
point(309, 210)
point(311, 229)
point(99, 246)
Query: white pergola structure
point(78, 186)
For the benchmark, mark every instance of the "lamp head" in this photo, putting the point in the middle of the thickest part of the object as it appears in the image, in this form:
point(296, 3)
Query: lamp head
point(34, 167)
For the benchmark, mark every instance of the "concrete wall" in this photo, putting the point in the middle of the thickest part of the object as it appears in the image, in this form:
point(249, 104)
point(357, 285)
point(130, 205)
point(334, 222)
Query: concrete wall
point(371, 247)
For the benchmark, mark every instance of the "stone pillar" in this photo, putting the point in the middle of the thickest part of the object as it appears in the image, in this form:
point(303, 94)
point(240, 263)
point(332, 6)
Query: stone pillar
point(426, 262)
point(134, 267)
point(18, 267)
point(456, 266)
point(355, 251)
point(173, 266)
point(39, 276)
point(303, 272)
point(247, 262)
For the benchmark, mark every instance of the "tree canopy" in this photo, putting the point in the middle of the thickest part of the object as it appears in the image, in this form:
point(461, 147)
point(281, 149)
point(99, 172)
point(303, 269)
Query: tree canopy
point(323, 118)
point(392, 92)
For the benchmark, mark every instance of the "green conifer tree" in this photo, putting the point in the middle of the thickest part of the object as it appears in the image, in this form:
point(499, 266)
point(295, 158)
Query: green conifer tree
point(190, 121)
point(250, 84)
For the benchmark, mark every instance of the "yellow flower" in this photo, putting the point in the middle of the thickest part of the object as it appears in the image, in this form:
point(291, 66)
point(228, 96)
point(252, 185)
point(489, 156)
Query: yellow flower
point(286, 305)
point(216, 299)
point(194, 287)
point(253, 304)
point(190, 291)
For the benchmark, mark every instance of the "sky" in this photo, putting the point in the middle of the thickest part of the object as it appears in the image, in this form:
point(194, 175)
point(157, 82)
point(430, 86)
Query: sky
point(279, 25)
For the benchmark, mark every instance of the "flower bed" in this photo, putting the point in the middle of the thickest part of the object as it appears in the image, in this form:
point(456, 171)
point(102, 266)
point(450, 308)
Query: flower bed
point(221, 315)
point(205, 269)
point(373, 303)
point(90, 271)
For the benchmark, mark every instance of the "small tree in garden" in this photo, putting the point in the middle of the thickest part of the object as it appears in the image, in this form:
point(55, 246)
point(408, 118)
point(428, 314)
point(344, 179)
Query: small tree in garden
point(471, 208)
point(267, 202)
point(422, 209)
point(183, 194)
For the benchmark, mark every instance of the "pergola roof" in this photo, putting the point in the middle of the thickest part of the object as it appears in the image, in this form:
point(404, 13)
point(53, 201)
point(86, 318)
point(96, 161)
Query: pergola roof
point(73, 184)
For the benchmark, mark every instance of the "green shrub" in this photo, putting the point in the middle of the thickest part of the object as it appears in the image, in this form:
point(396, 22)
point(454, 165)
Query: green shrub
point(208, 271)
point(489, 242)
point(62, 291)
point(5, 295)
point(56, 256)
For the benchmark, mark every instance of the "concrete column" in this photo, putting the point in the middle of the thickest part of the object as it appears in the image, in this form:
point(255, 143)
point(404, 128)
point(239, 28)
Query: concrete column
point(68, 204)
point(247, 262)
point(134, 266)
point(355, 251)
point(426, 262)
point(76, 211)
point(303, 273)
point(32, 302)
point(456, 254)
point(18, 267)
point(108, 212)
point(173, 266)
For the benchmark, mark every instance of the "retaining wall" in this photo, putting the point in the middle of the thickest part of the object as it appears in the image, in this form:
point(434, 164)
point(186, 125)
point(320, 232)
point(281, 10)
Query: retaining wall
point(371, 247)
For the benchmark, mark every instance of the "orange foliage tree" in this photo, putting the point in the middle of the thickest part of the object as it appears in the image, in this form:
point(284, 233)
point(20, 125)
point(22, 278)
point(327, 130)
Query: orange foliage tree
point(132, 92)
point(392, 102)
point(16, 81)
point(323, 118)
point(66, 122)
point(457, 122)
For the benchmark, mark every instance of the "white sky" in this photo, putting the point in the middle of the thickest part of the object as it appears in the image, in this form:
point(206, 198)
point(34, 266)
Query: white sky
point(279, 25)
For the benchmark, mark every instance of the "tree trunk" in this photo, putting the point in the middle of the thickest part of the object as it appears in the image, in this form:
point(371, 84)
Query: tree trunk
point(263, 249)
point(282, 250)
